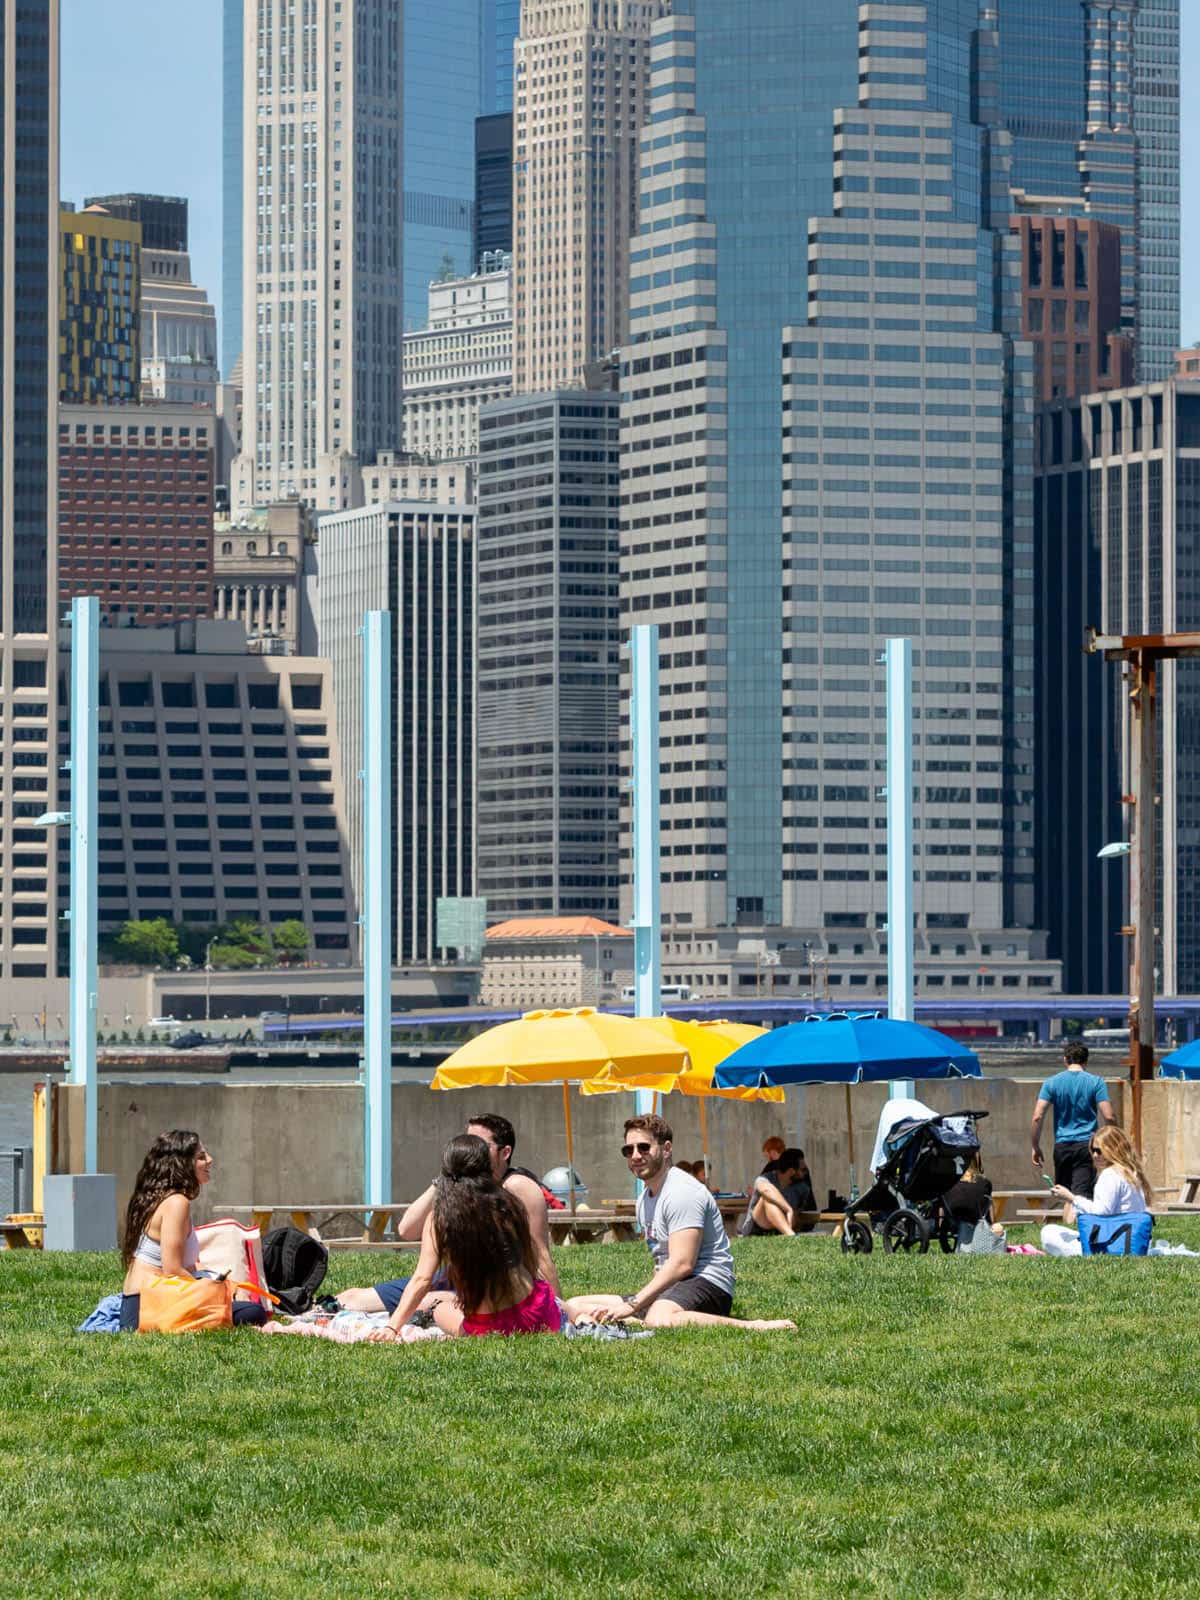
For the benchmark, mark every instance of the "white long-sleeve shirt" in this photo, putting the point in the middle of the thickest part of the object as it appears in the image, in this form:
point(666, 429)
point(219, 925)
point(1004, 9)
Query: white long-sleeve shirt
point(1114, 1196)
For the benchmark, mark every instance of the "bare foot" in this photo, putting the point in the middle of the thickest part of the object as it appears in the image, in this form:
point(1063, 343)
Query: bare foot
point(762, 1326)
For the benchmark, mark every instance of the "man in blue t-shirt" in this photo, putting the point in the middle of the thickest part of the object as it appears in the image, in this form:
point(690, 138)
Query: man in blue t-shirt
point(1079, 1100)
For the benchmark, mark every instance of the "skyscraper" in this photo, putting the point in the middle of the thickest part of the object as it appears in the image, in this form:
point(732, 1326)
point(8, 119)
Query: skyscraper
point(445, 86)
point(415, 558)
point(817, 302)
point(163, 217)
point(547, 655)
point(1089, 91)
point(29, 291)
point(493, 184)
point(99, 317)
point(580, 70)
point(502, 23)
point(322, 219)
point(232, 90)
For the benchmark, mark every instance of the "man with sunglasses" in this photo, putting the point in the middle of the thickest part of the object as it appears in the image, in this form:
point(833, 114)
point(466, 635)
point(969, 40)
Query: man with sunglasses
point(692, 1283)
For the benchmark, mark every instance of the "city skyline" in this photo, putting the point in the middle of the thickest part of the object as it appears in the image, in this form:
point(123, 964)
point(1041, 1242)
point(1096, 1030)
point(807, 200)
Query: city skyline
point(105, 149)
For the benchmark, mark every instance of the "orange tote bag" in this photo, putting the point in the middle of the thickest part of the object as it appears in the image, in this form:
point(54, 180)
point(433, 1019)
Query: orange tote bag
point(186, 1305)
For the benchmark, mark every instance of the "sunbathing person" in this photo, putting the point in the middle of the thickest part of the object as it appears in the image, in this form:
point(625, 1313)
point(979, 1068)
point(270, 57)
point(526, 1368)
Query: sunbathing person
point(159, 1240)
point(498, 1134)
point(692, 1282)
point(478, 1233)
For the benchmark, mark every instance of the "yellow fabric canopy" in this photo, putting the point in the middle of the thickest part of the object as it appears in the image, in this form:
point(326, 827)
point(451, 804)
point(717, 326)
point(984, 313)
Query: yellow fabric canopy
point(707, 1044)
point(576, 1046)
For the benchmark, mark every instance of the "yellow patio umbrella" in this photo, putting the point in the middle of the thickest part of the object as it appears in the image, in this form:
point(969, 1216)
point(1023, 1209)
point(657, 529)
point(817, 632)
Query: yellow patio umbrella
point(707, 1045)
point(576, 1046)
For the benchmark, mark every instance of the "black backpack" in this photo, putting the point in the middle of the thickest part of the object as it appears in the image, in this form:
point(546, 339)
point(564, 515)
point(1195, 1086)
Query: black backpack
point(295, 1264)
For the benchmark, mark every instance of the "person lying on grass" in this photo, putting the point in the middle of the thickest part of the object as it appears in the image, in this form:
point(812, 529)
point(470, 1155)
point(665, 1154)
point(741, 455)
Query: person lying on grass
point(479, 1233)
point(692, 1284)
point(159, 1240)
point(498, 1134)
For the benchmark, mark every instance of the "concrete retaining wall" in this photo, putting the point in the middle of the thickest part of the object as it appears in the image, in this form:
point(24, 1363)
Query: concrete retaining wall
point(302, 1143)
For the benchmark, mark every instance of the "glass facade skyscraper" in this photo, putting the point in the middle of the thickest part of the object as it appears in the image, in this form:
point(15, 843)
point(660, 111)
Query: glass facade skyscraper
point(446, 80)
point(503, 23)
point(231, 185)
point(1089, 91)
point(826, 442)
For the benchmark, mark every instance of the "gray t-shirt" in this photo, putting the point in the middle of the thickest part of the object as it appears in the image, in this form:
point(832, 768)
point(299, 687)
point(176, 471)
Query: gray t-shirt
point(683, 1202)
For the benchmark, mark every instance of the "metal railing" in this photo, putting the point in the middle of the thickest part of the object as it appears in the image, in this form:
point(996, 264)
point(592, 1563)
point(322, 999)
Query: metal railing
point(16, 1180)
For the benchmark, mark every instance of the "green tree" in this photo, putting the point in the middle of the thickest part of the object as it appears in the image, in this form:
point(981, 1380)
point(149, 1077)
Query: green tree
point(248, 936)
point(148, 943)
point(236, 957)
point(291, 940)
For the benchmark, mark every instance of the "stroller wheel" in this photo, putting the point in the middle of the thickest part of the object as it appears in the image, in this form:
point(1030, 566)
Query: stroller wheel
point(856, 1237)
point(907, 1231)
point(948, 1234)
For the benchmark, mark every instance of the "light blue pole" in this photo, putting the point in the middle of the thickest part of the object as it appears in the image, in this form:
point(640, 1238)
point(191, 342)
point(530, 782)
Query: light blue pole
point(377, 907)
point(647, 914)
point(898, 658)
point(85, 733)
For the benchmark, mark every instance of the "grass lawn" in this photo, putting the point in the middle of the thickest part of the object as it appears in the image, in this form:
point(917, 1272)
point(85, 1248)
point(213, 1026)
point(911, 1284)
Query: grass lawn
point(939, 1427)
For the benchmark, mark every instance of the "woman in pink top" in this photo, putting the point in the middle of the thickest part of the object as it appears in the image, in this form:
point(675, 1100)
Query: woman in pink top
point(480, 1235)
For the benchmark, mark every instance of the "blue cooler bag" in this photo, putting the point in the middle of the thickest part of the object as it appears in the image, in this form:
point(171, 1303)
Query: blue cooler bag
point(1116, 1236)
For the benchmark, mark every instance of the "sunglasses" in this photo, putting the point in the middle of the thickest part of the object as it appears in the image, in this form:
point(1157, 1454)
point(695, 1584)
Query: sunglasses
point(1095, 1150)
point(641, 1149)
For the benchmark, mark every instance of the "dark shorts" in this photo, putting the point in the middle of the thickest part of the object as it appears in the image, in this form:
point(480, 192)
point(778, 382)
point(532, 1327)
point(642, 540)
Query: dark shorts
point(1073, 1167)
point(246, 1313)
point(697, 1294)
point(392, 1292)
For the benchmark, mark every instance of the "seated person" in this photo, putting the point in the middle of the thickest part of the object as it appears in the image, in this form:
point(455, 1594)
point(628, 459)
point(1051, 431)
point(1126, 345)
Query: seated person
point(159, 1240)
point(692, 1282)
point(1121, 1188)
point(779, 1192)
point(970, 1200)
point(500, 1137)
point(478, 1233)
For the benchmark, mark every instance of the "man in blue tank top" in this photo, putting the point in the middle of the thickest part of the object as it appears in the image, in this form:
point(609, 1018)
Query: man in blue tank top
point(1079, 1100)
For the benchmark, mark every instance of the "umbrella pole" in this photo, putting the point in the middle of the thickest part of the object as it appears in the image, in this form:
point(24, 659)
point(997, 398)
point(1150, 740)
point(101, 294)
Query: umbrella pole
point(850, 1142)
point(704, 1134)
point(570, 1142)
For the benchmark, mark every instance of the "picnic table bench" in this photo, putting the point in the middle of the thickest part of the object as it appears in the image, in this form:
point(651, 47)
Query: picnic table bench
point(1189, 1189)
point(311, 1219)
point(18, 1235)
point(1038, 1199)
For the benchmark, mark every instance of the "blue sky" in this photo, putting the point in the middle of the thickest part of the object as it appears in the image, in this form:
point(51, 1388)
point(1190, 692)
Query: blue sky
point(147, 116)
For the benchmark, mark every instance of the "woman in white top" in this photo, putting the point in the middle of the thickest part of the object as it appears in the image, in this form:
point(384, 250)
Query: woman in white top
point(1122, 1187)
point(1122, 1190)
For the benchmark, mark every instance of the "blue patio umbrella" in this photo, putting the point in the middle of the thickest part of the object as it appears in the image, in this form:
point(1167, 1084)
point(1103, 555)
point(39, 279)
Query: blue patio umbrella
point(1181, 1063)
point(846, 1048)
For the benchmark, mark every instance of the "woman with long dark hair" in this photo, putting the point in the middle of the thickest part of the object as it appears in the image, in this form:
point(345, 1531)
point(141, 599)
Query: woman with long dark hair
point(159, 1240)
point(480, 1235)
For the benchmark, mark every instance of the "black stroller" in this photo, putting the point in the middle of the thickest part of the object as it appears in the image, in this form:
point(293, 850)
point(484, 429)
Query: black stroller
point(923, 1158)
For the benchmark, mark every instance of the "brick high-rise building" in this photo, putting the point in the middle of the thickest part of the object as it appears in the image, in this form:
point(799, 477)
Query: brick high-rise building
point(135, 510)
point(580, 90)
point(1071, 305)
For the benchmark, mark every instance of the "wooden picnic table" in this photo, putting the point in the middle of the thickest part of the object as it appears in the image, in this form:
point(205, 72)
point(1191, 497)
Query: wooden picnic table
point(1189, 1189)
point(1038, 1199)
point(18, 1235)
point(608, 1226)
point(311, 1219)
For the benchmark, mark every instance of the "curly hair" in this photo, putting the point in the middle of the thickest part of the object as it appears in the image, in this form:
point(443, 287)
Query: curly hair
point(169, 1168)
point(658, 1130)
point(482, 1232)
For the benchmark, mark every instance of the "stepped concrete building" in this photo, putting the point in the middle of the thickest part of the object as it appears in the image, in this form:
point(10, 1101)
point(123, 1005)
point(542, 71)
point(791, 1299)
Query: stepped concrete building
point(861, 307)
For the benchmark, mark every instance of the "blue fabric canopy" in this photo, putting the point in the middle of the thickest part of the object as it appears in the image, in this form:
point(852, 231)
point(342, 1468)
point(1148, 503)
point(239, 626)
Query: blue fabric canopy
point(1182, 1063)
point(846, 1049)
